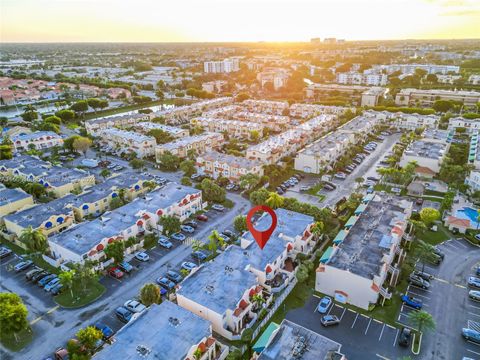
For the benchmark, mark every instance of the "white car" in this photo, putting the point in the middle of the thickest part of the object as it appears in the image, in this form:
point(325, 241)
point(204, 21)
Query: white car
point(187, 265)
point(187, 229)
point(340, 175)
point(134, 306)
point(474, 295)
point(142, 256)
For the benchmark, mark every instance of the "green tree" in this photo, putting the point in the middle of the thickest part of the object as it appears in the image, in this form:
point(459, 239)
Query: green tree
point(161, 136)
point(429, 215)
point(421, 320)
point(318, 228)
point(170, 224)
point(66, 115)
point(215, 241)
point(186, 181)
point(302, 273)
point(54, 120)
point(13, 314)
point(443, 105)
point(105, 173)
point(168, 161)
point(160, 95)
point(249, 181)
point(115, 251)
point(212, 192)
point(234, 354)
point(258, 300)
point(68, 143)
point(425, 253)
point(35, 189)
point(116, 202)
point(84, 274)
point(88, 337)
point(259, 197)
point(95, 103)
point(196, 245)
point(247, 337)
point(188, 167)
point(80, 107)
point(34, 239)
point(274, 200)
point(150, 294)
point(254, 135)
point(82, 144)
point(137, 163)
point(240, 224)
point(30, 113)
point(66, 279)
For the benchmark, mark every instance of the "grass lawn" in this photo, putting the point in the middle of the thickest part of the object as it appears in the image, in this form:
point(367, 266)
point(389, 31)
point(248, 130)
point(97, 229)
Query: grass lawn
point(80, 297)
point(11, 343)
point(434, 237)
point(314, 191)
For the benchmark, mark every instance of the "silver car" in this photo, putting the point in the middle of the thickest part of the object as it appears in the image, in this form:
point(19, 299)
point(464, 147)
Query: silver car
point(474, 295)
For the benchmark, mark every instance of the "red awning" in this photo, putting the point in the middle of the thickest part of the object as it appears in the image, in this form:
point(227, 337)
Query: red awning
point(139, 222)
point(100, 247)
point(268, 269)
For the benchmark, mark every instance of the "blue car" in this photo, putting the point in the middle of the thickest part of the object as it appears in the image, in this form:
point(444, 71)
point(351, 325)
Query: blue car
point(324, 304)
point(412, 302)
point(478, 271)
point(471, 335)
point(107, 332)
point(123, 314)
point(125, 266)
point(178, 237)
point(46, 280)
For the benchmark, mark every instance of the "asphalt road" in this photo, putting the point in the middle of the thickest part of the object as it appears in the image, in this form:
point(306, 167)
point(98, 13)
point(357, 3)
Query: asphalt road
point(53, 326)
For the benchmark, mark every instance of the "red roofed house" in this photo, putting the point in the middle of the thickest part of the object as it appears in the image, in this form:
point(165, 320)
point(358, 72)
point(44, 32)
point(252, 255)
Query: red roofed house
point(455, 223)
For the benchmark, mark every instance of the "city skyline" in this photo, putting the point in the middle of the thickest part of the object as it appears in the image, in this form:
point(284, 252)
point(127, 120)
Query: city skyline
point(236, 21)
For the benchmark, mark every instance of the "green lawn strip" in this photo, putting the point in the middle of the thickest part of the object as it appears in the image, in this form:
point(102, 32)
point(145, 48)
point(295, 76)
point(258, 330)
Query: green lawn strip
point(434, 193)
point(18, 342)
point(434, 237)
point(314, 190)
point(81, 297)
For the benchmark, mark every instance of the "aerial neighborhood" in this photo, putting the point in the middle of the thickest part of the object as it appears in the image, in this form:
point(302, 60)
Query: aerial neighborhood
point(127, 172)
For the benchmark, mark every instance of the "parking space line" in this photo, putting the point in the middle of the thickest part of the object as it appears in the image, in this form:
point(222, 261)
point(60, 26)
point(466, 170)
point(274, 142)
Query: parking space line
point(475, 307)
point(382, 357)
point(368, 326)
point(458, 242)
point(381, 333)
point(341, 317)
point(460, 286)
point(378, 321)
point(423, 296)
point(477, 353)
point(354, 321)
point(392, 327)
point(473, 343)
point(396, 336)
point(474, 314)
point(441, 280)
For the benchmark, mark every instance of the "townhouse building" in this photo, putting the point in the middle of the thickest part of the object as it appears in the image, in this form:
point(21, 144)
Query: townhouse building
point(165, 331)
point(406, 97)
point(88, 239)
point(197, 144)
point(120, 121)
point(26, 167)
point(306, 111)
point(124, 142)
point(146, 126)
point(274, 122)
point(365, 257)
point(415, 121)
point(234, 128)
point(38, 140)
point(474, 79)
point(12, 200)
point(215, 164)
point(410, 68)
point(266, 106)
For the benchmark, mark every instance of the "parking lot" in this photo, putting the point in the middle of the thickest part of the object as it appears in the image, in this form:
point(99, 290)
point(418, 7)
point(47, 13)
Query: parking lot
point(361, 336)
point(447, 301)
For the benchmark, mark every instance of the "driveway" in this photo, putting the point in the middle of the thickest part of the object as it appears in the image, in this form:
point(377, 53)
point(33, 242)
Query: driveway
point(53, 326)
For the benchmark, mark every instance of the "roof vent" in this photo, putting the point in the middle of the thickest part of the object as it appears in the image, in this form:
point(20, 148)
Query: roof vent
point(209, 289)
point(143, 350)
point(173, 321)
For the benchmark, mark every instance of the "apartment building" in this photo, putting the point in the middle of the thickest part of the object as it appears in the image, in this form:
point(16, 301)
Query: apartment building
point(223, 66)
point(356, 78)
point(306, 111)
point(88, 239)
point(26, 167)
point(474, 79)
point(277, 77)
point(120, 121)
point(12, 200)
point(474, 151)
point(146, 126)
point(473, 180)
point(234, 128)
point(38, 140)
point(410, 68)
point(154, 331)
point(197, 144)
point(415, 121)
point(448, 79)
point(471, 125)
point(266, 106)
point(215, 164)
point(214, 86)
point(274, 122)
point(364, 260)
point(416, 97)
point(124, 142)
point(372, 96)
point(365, 95)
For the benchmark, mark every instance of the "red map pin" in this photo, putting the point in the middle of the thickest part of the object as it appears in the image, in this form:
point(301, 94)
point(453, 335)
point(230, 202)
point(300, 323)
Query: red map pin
point(261, 237)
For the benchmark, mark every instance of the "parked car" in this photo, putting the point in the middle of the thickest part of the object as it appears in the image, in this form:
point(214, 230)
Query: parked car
point(439, 253)
point(280, 191)
point(218, 207)
point(419, 201)
point(57, 289)
point(39, 276)
point(4, 252)
point(165, 283)
point(418, 281)
point(187, 265)
point(142, 256)
point(125, 267)
point(134, 306)
point(230, 187)
point(187, 229)
point(228, 233)
point(174, 276)
point(324, 304)
point(115, 272)
point(46, 280)
point(61, 354)
point(23, 265)
point(474, 295)
point(123, 314)
point(304, 188)
point(404, 337)
point(202, 217)
point(328, 187)
point(107, 332)
point(32, 273)
point(195, 176)
point(178, 237)
point(51, 284)
point(191, 223)
point(424, 275)
point(199, 255)
point(471, 335)
point(329, 320)
point(474, 282)
point(370, 190)
point(412, 302)
point(164, 242)
point(340, 175)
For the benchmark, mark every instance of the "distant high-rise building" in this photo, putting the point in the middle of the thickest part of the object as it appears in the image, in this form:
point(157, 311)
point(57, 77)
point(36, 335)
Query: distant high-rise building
point(315, 40)
point(330, 40)
point(223, 66)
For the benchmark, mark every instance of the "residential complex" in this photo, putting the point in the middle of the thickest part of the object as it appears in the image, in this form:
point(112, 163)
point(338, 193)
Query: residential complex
point(410, 68)
point(197, 144)
point(415, 121)
point(224, 66)
point(356, 78)
point(365, 95)
point(364, 260)
point(234, 128)
point(124, 142)
point(407, 97)
point(146, 126)
point(38, 140)
point(215, 164)
point(121, 121)
point(277, 77)
point(12, 200)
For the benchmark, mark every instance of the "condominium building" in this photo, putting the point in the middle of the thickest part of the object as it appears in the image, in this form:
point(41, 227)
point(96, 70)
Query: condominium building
point(121, 121)
point(365, 257)
point(177, 132)
point(121, 141)
point(416, 97)
point(474, 79)
point(410, 68)
point(214, 86)
point(306, 111)
point(12, 200)
point(365, 95)
point(197, 144)
point(356, 78)
point(470, 125)
point(223, 66)
point(473, 180)
point(38, 140)
point(165, 331)
point(277, 77)
point(415, 121)
point(234, 128)
point(448, 79)
point(217, 164)
point(266, 106)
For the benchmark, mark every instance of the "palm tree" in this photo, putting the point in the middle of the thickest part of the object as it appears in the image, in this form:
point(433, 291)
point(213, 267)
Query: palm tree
point(258, 300)
point(425, 253)
point(274, 200)
point(215, 241)
point(34, 239)
point(317, 228)
point(421, 320)
point(197, 245)
point(66, 279)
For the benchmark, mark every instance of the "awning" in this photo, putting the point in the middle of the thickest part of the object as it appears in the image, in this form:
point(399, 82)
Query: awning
point(361, 208)
point(326, 255)
point(351, 221)
point(264, 339)
point(342, 234)
point(368, 197)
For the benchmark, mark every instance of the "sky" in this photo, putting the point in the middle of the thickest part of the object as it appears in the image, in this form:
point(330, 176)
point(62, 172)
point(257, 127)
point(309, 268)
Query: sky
point(234, 20)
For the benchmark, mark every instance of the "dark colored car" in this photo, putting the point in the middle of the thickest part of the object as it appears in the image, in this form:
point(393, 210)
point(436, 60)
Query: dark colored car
point(165, 283)
point(202, 217)
point(46, 280)
point(424, 275)
point(123, 314)
point(39, 276)
point(439, 253)
point(32, 273)
point(199, 255)
point(191, 223)
point(174, 276)
point(4, 252)
point(23, 265)
point(107, 332)
point(404, 338)
point(228, 233)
